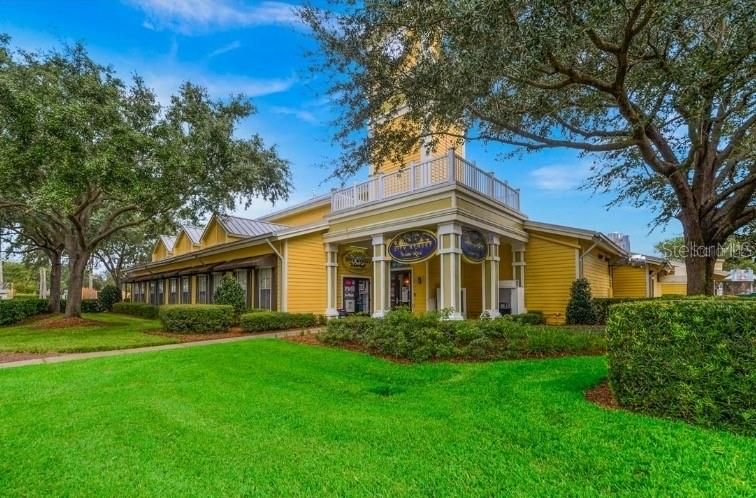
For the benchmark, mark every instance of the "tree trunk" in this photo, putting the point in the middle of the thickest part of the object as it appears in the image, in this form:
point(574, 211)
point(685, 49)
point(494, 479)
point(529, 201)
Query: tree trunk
point(700, 274)
point(77, 265)
point(56, 273)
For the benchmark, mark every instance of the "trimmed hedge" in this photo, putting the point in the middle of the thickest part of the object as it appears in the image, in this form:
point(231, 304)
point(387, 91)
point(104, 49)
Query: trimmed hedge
point(196, 317)
point(688, 359)
point(15, 310)
point(89, 306)
point(141, 310)
point(275, 320)
point(601, 306)
point(403, 334)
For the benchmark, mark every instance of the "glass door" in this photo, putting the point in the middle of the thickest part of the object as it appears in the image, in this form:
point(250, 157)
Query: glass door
point(401, 288)
point(356, 295)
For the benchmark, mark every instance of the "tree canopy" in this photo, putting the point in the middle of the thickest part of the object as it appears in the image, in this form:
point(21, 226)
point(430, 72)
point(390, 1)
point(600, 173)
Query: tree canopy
point(89, 155)
point(661, 94)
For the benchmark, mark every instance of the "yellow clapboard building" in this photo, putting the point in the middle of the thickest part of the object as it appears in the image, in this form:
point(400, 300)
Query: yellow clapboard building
point(433, 233)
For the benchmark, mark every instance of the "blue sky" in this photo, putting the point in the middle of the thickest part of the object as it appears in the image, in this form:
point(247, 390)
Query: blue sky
point(259, 49)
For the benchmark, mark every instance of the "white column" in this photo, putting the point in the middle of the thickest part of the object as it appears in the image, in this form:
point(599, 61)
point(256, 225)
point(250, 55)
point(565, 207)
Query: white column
point(332, 264)
point(449, 235)
point(518, 272)
point(491, 278)
point(381, 277)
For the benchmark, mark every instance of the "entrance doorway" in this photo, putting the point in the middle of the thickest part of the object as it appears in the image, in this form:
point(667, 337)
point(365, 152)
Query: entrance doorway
point(401, 288)
point(356, 292)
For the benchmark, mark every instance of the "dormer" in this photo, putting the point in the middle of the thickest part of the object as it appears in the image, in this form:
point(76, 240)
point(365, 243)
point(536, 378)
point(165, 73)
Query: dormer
point(163, 247)
point(222, 229)
point(188, 239)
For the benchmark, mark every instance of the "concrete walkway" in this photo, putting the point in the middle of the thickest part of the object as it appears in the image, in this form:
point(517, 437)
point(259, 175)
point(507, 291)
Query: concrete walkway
point(63, 357)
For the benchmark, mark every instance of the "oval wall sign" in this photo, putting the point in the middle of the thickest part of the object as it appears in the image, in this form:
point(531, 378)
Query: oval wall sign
point(413, 246)
point(355, 259)
point(474, 247)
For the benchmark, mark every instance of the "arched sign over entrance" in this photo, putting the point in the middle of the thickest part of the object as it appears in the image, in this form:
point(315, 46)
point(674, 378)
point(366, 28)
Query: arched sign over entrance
point(413, 246)
point(355, 259)
point(474, 248)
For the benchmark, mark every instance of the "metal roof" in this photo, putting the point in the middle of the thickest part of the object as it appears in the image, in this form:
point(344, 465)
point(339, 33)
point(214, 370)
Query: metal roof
point(243, 227)
point(194, 233)
point(169, 241)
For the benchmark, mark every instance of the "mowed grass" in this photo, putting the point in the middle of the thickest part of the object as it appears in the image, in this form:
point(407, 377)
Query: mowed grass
point(114, 332)
point(273, 418)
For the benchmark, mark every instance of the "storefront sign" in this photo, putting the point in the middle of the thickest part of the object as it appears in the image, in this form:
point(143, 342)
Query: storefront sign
point(474, 247)
point(355, 259)
point(413, 246)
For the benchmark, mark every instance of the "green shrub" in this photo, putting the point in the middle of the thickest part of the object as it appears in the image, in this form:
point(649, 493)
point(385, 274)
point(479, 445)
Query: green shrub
point(230, 292)
point(690, 359)
point(417, 337)
point(141, 310)
point(601, 306)
point(346, 330)
point(108, 296)
point(580, 307)
point(15, 310)
point(276, 320)
point(196, 318)
point(90, 306)
point(531, 318)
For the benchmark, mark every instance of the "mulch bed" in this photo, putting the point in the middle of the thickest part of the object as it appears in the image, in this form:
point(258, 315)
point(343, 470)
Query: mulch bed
point(602, 395)
point(201, 337)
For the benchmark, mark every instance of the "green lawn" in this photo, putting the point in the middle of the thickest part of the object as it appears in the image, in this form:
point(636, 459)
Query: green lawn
point(118, 332)
point(273, 418)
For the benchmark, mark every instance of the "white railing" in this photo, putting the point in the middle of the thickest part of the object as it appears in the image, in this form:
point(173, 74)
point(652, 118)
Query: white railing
point(445, 170)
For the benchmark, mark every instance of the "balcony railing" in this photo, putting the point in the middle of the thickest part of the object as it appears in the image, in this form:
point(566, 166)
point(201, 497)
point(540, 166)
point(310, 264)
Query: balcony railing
point(445, 170)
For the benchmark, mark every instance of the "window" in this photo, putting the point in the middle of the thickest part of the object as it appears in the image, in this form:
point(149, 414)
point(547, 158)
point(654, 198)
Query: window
point(265, 288)
point(186, 291)
point(173, 291)
point(160, 292)
point(201, 289)
point(217, 279)
point(241, 277)
point(151, 292)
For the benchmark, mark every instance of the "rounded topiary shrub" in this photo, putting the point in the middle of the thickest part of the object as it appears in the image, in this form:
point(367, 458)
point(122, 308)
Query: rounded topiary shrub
point(580, 307)
point(196, 318)
point(108, 296)
point(230, 293)
point(689, 359)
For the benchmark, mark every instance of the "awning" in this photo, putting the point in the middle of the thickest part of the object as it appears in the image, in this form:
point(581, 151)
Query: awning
point(267, 260)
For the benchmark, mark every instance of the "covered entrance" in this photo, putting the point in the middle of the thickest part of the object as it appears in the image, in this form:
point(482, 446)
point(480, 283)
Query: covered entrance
point(401, 288)
point(356, 292)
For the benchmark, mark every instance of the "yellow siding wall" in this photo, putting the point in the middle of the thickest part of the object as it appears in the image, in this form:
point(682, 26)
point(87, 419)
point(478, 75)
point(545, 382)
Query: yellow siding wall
point(308, 217)
point(419, 288)
point(215, 234)
point(183, 244)
point(159, 252)
point(472, 281)
point(434, 279)
point(598, 273)
point(306, 283)
point(505, 262)
point(674, 288)
point(629, 281)
point(549, 272)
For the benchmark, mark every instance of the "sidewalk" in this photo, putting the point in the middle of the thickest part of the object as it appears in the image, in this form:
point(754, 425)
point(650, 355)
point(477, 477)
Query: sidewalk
point(63, 357)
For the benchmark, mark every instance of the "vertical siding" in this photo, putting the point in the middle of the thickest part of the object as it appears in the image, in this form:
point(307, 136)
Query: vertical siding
point(306, 283)
point(598, 273)
point(505, 262)
point(471, 280)
point(419, 286)
point(629, 281)
point(549, 272)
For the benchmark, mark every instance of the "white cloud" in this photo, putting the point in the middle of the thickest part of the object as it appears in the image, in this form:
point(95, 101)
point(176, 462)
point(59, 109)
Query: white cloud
point(300, 114)
point(224, 49)
point(188, 16)
point(559, 178)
